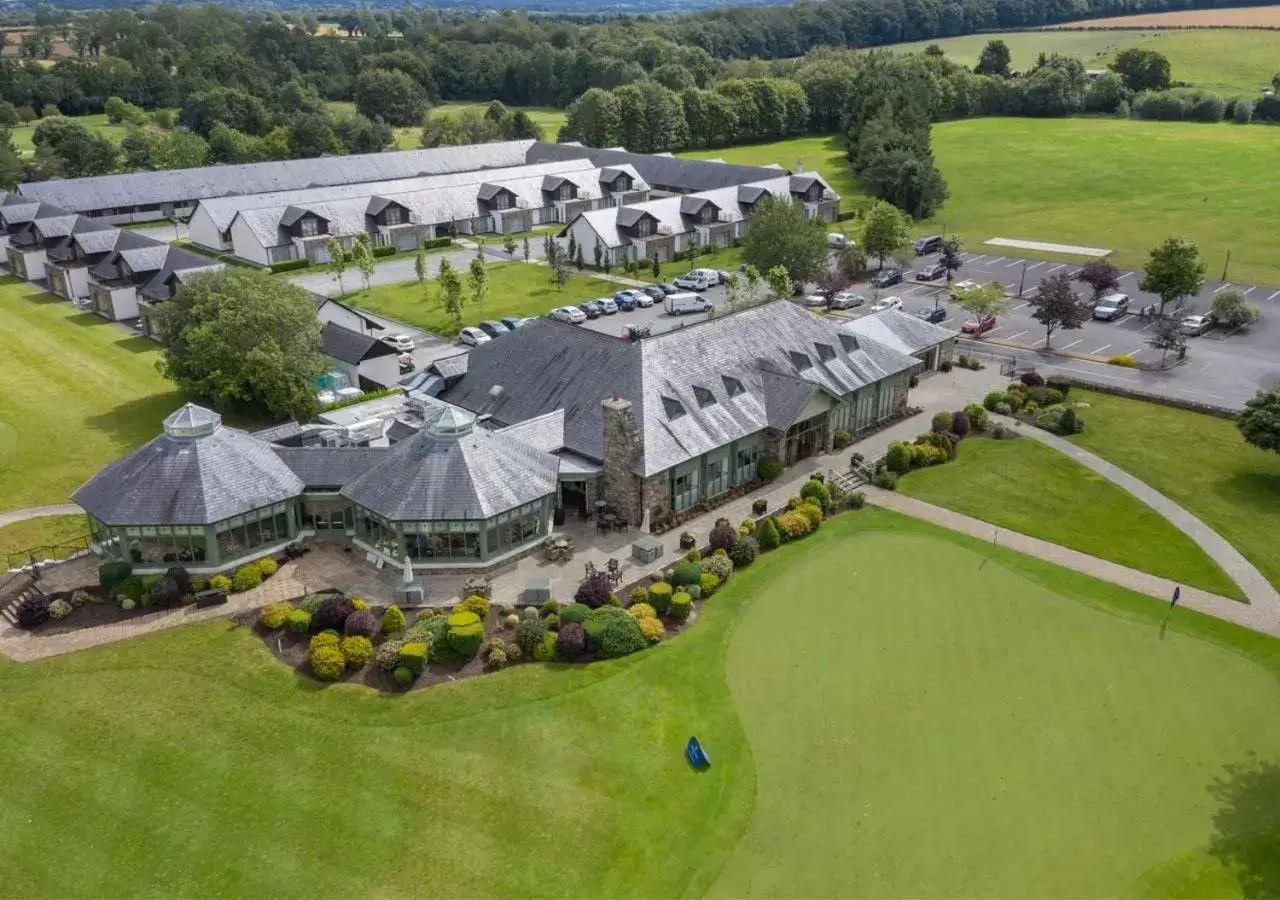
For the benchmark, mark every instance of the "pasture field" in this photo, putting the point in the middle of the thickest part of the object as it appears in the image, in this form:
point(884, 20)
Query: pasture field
point(1239, 17)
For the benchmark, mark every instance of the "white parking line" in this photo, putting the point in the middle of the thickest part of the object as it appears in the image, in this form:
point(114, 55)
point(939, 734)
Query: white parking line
point(1126, 275)
point(1072, 344)
point(1034, 266)
point(1021, 306)
point(995, 259)
point(1016, 262)
point(1009, 286)
point(1014, 336)
point(946, 322)
point(1056, 268)
point(1223, 288)
point(1274, 296)
point(976, 259)
point(1250, 291)
point(1100, 349)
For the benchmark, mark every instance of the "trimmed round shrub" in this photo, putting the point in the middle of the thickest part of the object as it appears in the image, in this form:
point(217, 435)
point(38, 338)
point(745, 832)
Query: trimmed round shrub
point(768, 468)
point(574, 612)
point(812, 512)
point(994, 399)
point(111, 574)
point(551, 607)
point(128, 603)
point(413, 656)
point(165, 592)
point(840, 439)
point(621, 637)
point(324, 639)
point(637, 595)
point(941, 422)
point(361, 622)
point(885, 480)
point(531, 612)
point(505, 610)
point(978, 417)
point(476, 604)
point(660, 597)
point(497, 657)
point(404, 676)
point(359, 603)
point(571, 641)
point(332, 613)
point(546, 651)
point(80, 598)
point(552, 622)
point(1032, 379)
point(793, 526)
point(1044, 396)
point(274, 615)
point(594, 591)
point(815, 490)
point(358, 650)
point(529, 635)
point(387, 656)
point(60, 609)
point(643, 611)
point(246, 578)
point(857, 500)
point(327, 662)
point(686, 573)
point(723, 536)
point(693, 590)
point(709, 584)
point(511, 621)
point(652, 630)
point(748, 526)
point(770, 536)
point(1003, 409)
point(220, 583)
point(393, 620)
point(960, 424)
point(681, 606)
point(312, 602)
point(719, 566)
point(596, 623)
point(744, 552)
point(465, 634)
point(267, 567)
point(182, 578)
point(298, 621)
point(898, 457)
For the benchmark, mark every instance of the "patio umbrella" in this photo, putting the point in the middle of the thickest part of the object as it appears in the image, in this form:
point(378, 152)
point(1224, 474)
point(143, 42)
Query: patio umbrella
point(408, 570)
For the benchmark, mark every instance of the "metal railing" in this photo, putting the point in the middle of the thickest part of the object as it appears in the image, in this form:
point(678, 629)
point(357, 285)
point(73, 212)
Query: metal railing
point(58, 552)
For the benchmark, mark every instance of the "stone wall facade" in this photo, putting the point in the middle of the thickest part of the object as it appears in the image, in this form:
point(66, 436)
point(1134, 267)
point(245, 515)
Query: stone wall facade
point(619, 487)
point(656, 491)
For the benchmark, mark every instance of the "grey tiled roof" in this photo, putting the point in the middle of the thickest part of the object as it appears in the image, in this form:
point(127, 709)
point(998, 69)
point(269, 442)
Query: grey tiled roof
point(750, 193)
point(147, 188)
point(189, 481)
point(691, 206)
point(548, 365)
point(474, 475)
point(899, 330)
point(667, 171)
point(452, 366)
point(352, 346)
point(545, 432)
point(330, 466)
point(56, 226)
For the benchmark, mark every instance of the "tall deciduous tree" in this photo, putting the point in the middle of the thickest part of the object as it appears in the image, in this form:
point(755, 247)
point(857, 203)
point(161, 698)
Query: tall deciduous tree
point(1259, 421)
point(1142, 70)
point(779, 282)
point(982, 300)
point(509, 244)
point(951, 259)
point(362, 255)
point(780, 235)
point(478, 278)
point(1174, 271)
point(1101, 276)
point(994, 60)
point(885, 231)
point(391, 96)
point(1056, 306)
point(10, 162)
point(851, 262)
point(420, 266)
point(1166, 335)
point(451, 292)
point(1231, 309)
point(240, 336)
point(338, 255)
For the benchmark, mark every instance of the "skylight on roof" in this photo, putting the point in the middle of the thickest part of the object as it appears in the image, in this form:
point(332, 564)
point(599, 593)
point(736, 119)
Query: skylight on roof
point(674, 408)
point(826, 352)
point(704, 397)
point(800, 360)
point(732, 386)
point(848, 341)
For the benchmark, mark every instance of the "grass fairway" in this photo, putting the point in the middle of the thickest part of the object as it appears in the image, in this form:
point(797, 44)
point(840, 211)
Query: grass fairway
point(944, 728)
point(822, 153)
point(78, 392)
point(1198, 461)
point(1125, 185)
point(45, 531)
point(924, 725)
point(515, 289)
point(1033, 489)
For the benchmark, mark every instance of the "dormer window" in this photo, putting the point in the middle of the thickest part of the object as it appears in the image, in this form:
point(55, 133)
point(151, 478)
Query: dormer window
point(848, 341)
point(309, 226)
point(704, 397)
point(826, 352)
point(502, 200)
point(622, 182)
point(644, 228)
point(393, 215)
point(732, 386)
point(673, 408)
point(800, 360)
point(565, 191)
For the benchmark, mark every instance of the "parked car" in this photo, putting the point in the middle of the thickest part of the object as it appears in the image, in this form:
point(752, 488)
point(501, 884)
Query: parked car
point(931, 272)
point(814, 300)
point(514, 322)
point(886, 303)
point(401, 342)
point(635, 332)
point(691, 282)
point(838, 241)
point(405, 362)
point(979, 326)
point(494, 329)
point(607, 305)
point(591, 309)
point(847, 300)
point(1194, 326)
point(667, 289)
point(655, 291)
point(933, 314)
point(961, 286)
point(473, 337)
point(930, 244)
point(571, 314)
point(1111, 307)
point(886, 278)
point(679, 304)
point(712, 276)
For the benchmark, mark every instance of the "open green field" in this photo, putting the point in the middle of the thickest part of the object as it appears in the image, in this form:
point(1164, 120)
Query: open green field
point(1225, 60)
point(959, 726)
point(515, 289)
point(45, 531)
point(1199, 461)
point(22, 134)
point(78, 392)
point(1027, 487)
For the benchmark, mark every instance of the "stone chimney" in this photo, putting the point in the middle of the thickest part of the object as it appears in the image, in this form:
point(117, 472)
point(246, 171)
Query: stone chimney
point(620, 487)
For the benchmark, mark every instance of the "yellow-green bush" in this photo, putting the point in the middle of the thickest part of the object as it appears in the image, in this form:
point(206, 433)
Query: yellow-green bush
point(660, 597)
point(393, 620)
point(414, 657)
point(324, 639)
point(246, 578)
point(274, 616)
point(651, 629)
point(709, 583)
point(359, 603)
point(267, 566)
point(643, 611)
point(220, 583)
point(465, 634)
point(358, 650)
point(298, 621)
point(474, 604)
point(681, 606)
point(327, 662)
point(812, 512)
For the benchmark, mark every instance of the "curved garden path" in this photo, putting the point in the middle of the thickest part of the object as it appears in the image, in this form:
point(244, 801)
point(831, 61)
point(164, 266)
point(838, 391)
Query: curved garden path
point(14, 516)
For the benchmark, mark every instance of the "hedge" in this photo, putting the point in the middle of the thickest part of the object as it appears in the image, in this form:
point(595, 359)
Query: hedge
point(660, 597)
point(681, 606)
point(574, 612)
point(433, 243)
point(465, 634)
point(380, 252)
point(290, 265)
point(414, 657)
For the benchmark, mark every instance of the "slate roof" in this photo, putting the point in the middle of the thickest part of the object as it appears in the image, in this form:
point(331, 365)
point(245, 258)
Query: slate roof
point(351, 346)
point(198, 472)
point(108, 268)
point(330, 466)
point(451, 470)
point(547, 366)
point(452, 366)
point(750, 193)
point(100, 238)
point(180, 185)
point(545, 432)
point(899, 330)
point(658, 171)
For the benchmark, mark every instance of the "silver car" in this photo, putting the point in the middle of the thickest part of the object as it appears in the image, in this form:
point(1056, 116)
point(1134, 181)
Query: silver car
point(1111, 307)
point(1194, 326)
point(847, 300)
point(570, 314)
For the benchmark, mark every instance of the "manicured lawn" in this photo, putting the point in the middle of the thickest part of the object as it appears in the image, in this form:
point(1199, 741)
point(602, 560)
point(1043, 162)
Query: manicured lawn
point(515, 289)
point(1233, 62)
point(46, 531)
point(939, 728)
point(78, 392)
point(823, 154)
point(1200, 462)
point(1033, 489)
point(22, 134)
point(1120, 184)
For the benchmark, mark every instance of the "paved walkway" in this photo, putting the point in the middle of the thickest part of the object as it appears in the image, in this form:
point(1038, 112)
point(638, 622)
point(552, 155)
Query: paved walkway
point(36, 512)
point(1258, 617)
point(1252, 582)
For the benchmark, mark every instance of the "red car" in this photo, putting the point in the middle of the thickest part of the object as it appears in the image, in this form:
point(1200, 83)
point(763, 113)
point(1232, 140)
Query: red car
point(979, 327)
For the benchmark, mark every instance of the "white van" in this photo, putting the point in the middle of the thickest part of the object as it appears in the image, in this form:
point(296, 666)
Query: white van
point(679, 304)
